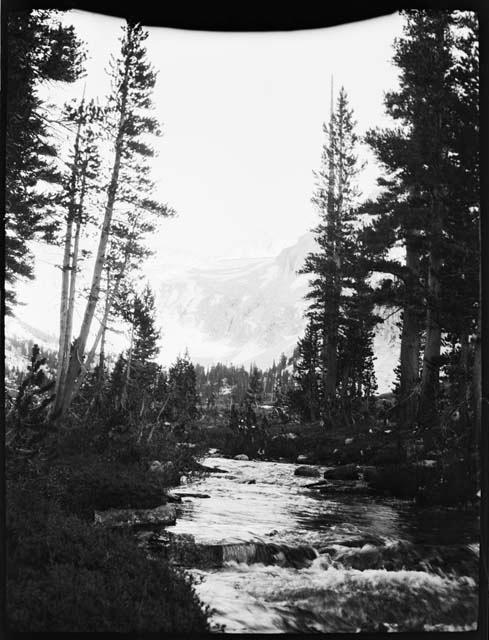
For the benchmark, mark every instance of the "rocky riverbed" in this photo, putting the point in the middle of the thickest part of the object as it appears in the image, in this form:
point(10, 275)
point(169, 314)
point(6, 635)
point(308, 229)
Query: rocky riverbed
point(275, 549)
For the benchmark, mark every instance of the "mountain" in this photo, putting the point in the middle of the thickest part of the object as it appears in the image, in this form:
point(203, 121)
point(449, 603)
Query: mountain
point(247, 310)
point(224, 310)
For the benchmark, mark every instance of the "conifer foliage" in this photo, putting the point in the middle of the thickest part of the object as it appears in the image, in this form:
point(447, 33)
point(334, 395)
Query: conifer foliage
point(182, 390)
point(430, 203)
point(129, 188)
point(39, 49)
point(340, 311)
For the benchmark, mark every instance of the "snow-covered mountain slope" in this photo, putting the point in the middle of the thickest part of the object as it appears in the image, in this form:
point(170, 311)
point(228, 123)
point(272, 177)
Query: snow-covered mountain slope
point(229, 310)
point(247, 310)
point(235, 310)
point(17, 336)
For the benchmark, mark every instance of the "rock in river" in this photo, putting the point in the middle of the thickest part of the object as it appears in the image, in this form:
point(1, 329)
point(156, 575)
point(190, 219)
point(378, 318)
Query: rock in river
point(308, 472)
point(343, 472)
point(241, 456)
point(163, 515)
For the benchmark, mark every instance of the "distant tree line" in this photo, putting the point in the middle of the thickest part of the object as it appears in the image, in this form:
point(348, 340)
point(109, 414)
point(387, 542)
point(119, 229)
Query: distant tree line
point(221, 385)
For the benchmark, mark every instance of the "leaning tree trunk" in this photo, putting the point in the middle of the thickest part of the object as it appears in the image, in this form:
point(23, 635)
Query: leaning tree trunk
point(99, 339)
point(410, 342)
point(125, 387)
point(78, 351)
point(67, 271)
point(63, 311)
point(100, 336)
point(71, 299)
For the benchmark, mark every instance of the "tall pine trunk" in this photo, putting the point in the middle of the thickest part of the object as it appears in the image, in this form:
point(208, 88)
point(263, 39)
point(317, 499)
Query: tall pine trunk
point(330, 331)
point(99, 339)
point(71, 299)
point(67, 275)
point(63, 311)
point(125, 387)
point(430, 375)
point(410, 344)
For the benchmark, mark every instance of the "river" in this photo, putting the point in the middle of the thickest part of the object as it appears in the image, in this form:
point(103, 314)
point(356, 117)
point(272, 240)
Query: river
point(297, 560)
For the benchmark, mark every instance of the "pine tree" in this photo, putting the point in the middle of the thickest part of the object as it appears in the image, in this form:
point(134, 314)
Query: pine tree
point(335, 199)
point(79, 183)
point(133, 80)
point(39, 50)
point(182, 389)
point(306, 396)
point(355, 347)
point(140, 368)
point(427, 165)
point(255, 387)
point(460, 273)
point(146, 335)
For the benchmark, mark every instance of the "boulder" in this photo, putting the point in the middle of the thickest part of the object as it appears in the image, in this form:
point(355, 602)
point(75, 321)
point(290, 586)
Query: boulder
point(155, 465)
point(307, 472)
point(192, 495)
point(164, 515)
point(241, 456)
point(302, 458)
point(173, 497)
point(370, 474)
point(348, 440)
point(343, 472)
point(347, 487)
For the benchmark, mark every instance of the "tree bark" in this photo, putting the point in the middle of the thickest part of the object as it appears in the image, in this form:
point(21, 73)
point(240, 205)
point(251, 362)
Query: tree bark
point(128, 370)
point(330, 337)
point(100, 336)
point(410, 342)
point(78, 353)
point(430, 375)
point(67, 274)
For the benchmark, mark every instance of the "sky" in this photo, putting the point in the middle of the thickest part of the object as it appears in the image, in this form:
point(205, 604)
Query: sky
point(242, 116)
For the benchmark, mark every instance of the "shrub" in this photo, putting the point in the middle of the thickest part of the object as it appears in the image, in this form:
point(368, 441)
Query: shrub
point(448, 485)
point(66, 575)
point(84, 485)
point(283, 447)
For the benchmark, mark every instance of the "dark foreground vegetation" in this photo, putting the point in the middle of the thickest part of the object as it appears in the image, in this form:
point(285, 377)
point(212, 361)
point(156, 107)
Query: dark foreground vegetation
point(66, 573)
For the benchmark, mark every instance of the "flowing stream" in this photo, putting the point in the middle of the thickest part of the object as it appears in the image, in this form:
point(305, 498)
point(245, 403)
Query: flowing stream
point(294, 559)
